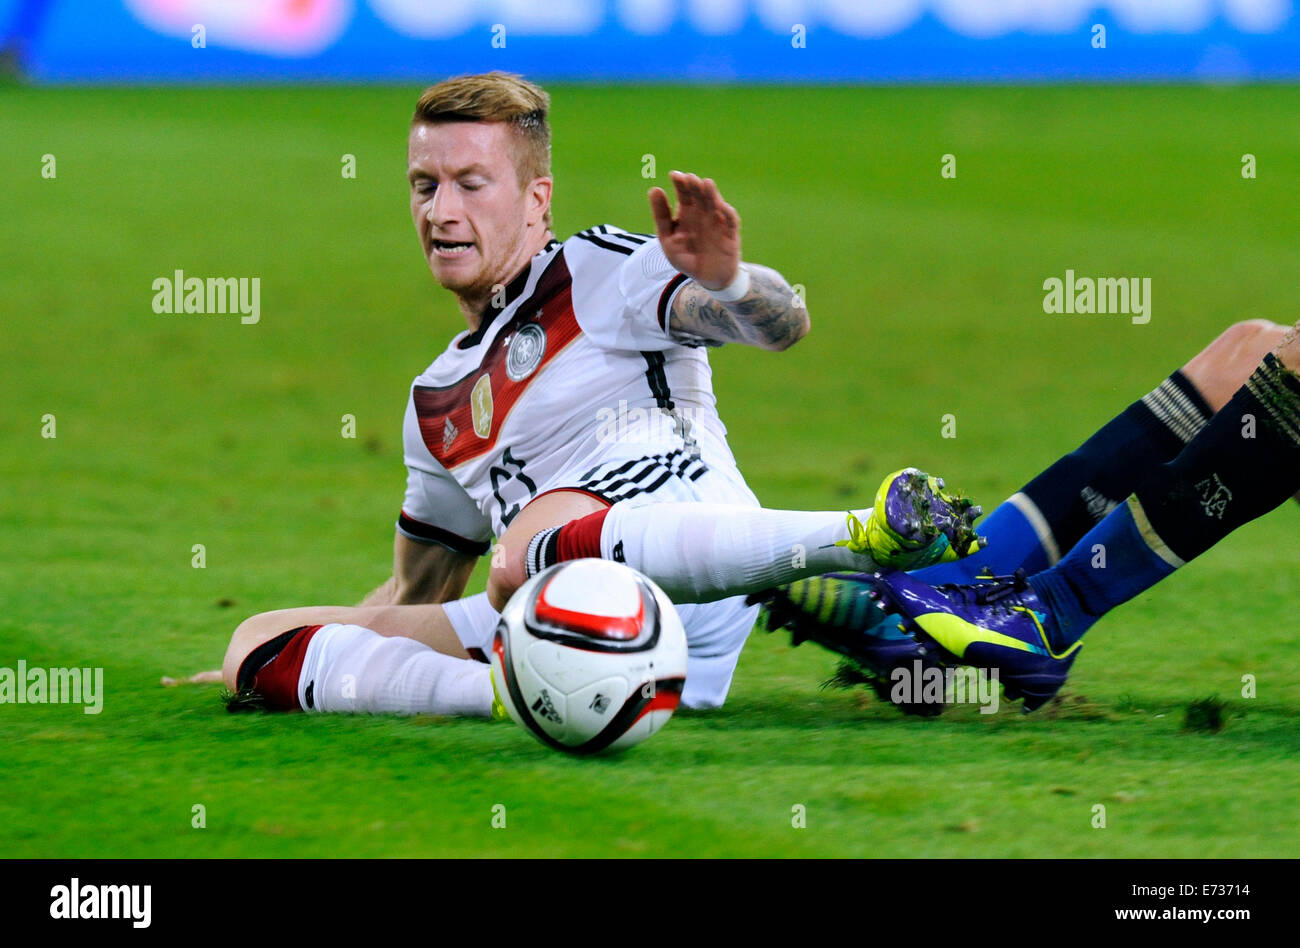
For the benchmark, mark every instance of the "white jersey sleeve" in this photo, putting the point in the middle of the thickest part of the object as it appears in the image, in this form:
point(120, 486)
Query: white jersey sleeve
point(623, 289)
point(437, 508)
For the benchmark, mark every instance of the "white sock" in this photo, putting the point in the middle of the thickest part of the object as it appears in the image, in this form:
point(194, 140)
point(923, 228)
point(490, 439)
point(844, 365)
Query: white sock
point(356, 670)
point(699, 552)
point(473, 620)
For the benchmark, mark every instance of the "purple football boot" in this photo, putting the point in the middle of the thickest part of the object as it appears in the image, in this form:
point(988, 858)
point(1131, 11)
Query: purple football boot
point(998, 624)
point(840, 612)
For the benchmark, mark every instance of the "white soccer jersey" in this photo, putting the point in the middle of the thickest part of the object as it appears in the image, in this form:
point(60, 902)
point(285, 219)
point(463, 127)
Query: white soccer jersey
point(574, 382)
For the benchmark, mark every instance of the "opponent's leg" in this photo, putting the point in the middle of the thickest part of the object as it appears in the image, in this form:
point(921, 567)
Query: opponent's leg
point(1245, 463)
point(1050, 514)
point(1054, 510)
point(1224, 365)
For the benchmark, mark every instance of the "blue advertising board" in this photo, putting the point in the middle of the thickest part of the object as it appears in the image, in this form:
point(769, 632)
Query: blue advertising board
point(685, 40)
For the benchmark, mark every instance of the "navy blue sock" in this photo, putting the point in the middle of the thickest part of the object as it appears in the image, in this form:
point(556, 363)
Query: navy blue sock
point(1244, 463)
point(1014, 543)
point(1111, 564)
point(1052, 512)
point(1073, 495)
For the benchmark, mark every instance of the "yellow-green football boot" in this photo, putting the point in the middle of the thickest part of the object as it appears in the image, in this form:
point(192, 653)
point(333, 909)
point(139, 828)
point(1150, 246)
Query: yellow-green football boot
point(915, 522)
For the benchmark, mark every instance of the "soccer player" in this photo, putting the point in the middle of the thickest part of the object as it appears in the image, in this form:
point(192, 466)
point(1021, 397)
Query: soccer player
point(574, 416)
point(1157, 486)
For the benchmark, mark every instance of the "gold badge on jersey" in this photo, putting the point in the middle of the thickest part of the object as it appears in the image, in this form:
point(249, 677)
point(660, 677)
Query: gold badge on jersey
point(480, 403)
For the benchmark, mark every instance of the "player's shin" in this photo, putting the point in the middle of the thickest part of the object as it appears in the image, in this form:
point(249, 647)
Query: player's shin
point(352, 669)
point(1243, 464)
point(1049, 515)
point(474, 621)
point(699, 552)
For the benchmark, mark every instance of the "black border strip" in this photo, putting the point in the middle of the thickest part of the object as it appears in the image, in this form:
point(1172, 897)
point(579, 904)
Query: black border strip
point(657, 380)
point(620, 248)
point(422, 532)
point(666, 297)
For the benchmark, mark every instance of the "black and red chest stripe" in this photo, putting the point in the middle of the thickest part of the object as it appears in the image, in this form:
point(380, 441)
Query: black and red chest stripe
point(551, 308)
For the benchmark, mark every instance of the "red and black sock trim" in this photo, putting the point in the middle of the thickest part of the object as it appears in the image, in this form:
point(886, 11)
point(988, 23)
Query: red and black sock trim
point(273, 668)
point(575, 540)
point(542, 551)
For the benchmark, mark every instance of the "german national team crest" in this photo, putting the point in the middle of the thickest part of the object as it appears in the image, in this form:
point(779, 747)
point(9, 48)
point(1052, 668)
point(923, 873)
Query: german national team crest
point(480, 404)
point(1214, 496)
point(526, 351)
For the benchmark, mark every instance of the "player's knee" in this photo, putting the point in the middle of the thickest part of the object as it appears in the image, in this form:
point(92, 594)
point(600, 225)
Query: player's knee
point(1252, 338)
point(247, 636)
point(506, 574)
point(1224, 365)
point(1288, 350)
point(242, 641)
point(510, 556)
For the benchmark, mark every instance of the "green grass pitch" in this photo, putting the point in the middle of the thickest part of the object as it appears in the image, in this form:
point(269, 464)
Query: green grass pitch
point(926, 300)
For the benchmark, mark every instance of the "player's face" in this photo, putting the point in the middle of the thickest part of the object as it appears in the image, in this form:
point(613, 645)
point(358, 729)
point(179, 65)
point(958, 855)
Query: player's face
point(470, 212)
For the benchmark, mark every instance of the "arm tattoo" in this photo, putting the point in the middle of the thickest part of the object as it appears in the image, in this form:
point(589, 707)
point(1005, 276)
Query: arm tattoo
point(771, 315)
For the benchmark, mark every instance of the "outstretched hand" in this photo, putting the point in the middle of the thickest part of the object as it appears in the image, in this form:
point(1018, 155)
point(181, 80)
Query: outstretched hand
point(703, 241)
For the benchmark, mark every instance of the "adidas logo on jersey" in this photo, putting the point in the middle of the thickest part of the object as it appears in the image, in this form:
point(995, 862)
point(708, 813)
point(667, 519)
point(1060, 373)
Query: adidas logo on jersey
point(449, 432)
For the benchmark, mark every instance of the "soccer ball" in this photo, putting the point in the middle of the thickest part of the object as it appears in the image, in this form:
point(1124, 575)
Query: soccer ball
point(589, 656)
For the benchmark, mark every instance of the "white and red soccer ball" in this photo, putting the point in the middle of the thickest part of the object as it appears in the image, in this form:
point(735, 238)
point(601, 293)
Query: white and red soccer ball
point(589, 656)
